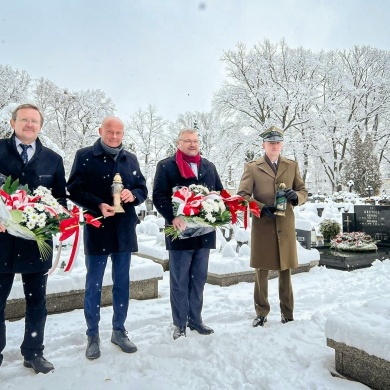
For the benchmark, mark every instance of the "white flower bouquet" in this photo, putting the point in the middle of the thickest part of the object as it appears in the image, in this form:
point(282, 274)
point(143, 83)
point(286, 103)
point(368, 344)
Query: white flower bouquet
point(35, 216)
point(204, 211)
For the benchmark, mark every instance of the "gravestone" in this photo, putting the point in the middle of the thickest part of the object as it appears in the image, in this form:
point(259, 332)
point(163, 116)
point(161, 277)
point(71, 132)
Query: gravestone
point(304, 238)
point(349, 223)
point(375, 221)
point(372, 220)
point(141, 215)
point(148, 204)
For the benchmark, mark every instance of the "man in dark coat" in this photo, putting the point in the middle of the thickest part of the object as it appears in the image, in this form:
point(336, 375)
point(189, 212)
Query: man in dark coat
point(89, 186)
point(188, 258)
point(24, 157)
point(273, 242)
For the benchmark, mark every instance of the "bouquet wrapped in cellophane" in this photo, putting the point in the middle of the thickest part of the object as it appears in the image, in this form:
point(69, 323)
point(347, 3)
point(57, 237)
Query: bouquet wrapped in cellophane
point(35, 216)
point(204, 211)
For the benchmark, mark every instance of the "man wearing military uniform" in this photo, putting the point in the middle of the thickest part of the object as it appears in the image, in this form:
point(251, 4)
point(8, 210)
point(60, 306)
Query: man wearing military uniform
point(273, 242)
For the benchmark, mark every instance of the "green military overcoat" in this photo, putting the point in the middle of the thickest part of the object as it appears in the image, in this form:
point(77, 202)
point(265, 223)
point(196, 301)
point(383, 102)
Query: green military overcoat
point(273, 240)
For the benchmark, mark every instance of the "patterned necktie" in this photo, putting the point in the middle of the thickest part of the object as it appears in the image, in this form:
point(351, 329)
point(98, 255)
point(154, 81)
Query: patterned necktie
point(276, 166)
point(24, 152)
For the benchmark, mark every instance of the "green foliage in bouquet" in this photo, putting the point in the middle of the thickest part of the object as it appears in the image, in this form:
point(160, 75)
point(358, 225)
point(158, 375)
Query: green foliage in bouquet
point(10, 186)
point(37, 218)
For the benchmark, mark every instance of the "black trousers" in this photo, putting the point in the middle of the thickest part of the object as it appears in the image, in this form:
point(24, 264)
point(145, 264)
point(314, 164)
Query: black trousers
point(188, 274)
point(34, 286)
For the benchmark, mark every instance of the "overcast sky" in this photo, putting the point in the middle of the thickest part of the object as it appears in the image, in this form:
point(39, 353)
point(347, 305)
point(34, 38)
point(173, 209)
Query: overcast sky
point(167, 52)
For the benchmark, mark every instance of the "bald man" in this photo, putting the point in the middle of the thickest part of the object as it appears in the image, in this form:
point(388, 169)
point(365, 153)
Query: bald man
point(89, 186)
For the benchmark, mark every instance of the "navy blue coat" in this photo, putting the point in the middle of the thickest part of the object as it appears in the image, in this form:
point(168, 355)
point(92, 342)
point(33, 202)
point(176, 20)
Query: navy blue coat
point(45, 168)
point(89, 185)
point(167, 177)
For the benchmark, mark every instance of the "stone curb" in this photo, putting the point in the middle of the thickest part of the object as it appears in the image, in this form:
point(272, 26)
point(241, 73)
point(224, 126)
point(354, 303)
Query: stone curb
point(71, 300)
point(249, 276)
point(358, 365)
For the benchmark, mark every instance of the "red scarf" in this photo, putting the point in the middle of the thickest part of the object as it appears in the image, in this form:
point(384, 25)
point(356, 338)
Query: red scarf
point(182, 160)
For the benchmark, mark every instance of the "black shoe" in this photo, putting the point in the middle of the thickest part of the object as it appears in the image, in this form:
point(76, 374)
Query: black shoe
point(259, 321)
point(179, 332)
point(1, 358)
point(285, 320)
point(201, 328)
point(39, 364)
point(93, 347)
point(119, 337)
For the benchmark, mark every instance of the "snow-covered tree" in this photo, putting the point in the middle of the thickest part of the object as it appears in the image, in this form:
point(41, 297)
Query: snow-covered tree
point(220, 142)
point(146, 134)
point(318, 99)
point(363, 166)
point(14, 86)
point(71, 118)
point(271, 85)
point(92, 106)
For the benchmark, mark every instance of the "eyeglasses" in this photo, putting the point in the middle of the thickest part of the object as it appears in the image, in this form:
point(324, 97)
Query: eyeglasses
point(33, 122)
point(188, 141)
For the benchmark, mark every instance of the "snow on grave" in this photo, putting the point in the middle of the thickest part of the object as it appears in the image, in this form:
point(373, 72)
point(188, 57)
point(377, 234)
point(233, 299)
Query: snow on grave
point(228, 263)
point(361, 342)
point(65, 290)
point(151, 240)
point(227, 267)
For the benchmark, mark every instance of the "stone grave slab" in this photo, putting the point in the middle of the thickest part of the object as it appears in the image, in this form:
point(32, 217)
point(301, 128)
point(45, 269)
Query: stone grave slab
point(349, 261)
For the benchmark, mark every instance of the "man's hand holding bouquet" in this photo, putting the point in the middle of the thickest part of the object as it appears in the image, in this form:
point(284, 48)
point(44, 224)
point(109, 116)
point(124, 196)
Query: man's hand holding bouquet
point(36, 216)
point(203, 211)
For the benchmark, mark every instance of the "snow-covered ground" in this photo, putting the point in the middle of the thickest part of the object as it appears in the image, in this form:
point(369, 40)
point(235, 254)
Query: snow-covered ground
point(237, 356)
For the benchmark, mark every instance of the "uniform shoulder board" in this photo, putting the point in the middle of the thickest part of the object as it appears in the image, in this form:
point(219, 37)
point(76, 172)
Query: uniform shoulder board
point(253, 162)
point(290, 159)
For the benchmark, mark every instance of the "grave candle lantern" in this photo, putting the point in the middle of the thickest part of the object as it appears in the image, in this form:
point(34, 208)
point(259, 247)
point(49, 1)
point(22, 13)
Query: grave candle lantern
point(116, 189)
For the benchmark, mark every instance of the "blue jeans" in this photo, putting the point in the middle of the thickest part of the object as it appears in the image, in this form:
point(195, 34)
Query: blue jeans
point(34, 286)
point(96, 265)
point(188, 274)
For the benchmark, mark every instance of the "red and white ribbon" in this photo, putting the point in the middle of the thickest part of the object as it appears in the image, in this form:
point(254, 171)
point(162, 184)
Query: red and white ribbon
point(20, 200)
point(189, 203)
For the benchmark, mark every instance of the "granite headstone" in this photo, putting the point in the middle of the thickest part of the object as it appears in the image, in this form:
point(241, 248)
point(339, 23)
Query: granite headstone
point(375, 221)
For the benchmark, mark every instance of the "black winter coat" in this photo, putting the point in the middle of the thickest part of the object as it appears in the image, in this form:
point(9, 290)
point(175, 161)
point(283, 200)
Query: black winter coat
point(45, 168)
point(167, 177)
point(89, 185)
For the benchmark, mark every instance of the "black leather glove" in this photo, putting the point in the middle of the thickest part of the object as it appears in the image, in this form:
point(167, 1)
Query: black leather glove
point(291, 195)
point(268, 211)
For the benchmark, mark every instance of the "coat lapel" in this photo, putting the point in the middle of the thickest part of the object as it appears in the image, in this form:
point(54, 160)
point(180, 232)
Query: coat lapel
point(203, 168)
point(283, 164)
point(264, 166)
